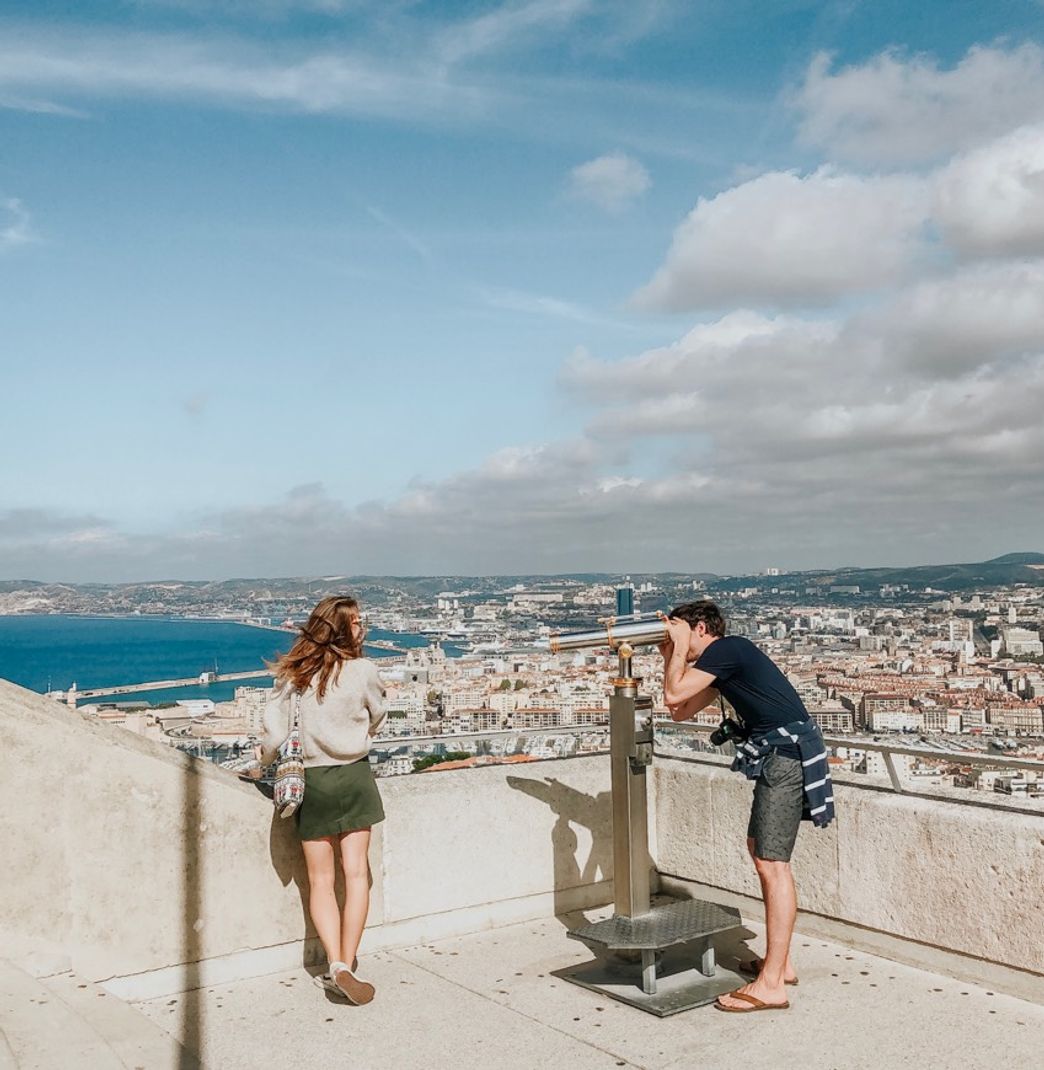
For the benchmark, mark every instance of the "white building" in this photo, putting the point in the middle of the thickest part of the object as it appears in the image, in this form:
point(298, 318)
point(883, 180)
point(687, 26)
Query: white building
point(249, 706)
point(1022, 641)
point(897, 721)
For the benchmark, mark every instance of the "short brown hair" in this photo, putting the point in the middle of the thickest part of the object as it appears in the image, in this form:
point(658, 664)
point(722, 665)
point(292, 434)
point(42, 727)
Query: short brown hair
point(704, 610)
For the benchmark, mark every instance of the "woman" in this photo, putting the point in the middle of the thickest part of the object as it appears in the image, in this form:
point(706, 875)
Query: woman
point(341, 707)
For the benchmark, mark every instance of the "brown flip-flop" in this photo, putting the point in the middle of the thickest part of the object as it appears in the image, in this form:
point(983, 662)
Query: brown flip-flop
point(755, 1004)
point(753, 969)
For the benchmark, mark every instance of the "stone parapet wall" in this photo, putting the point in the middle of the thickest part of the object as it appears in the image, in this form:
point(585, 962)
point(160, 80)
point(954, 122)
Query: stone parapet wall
point(132, 857)
point(955, 876)
point(138, 861)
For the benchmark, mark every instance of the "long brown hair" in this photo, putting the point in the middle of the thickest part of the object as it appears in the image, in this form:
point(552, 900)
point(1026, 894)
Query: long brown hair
point(326, 642)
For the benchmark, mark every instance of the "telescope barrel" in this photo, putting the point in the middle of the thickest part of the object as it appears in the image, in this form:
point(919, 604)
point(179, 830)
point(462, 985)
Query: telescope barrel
point(636, 632)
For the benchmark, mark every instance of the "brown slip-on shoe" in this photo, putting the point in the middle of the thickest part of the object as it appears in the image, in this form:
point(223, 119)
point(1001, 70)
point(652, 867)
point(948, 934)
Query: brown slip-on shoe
point(355, 991)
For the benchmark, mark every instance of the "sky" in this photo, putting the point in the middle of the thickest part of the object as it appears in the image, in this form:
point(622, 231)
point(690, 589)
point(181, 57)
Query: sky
point(301, 287)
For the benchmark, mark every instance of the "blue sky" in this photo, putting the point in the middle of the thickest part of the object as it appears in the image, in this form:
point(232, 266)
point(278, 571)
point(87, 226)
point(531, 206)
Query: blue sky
point(300, 286)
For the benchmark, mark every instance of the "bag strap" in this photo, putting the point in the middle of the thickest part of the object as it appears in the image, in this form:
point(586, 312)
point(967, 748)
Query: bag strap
point(296, 720)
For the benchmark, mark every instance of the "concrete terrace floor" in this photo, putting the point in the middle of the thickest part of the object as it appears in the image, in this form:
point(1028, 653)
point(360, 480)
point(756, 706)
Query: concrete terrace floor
point(490, 1000)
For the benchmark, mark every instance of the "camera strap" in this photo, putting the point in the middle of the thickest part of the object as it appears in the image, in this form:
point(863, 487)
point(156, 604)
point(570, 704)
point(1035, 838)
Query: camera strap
point(724, 715)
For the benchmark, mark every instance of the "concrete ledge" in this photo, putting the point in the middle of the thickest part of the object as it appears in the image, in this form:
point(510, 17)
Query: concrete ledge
point(1020, 983)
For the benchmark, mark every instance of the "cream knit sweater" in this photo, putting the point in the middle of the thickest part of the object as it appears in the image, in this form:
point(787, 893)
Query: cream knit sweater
point(335, 731)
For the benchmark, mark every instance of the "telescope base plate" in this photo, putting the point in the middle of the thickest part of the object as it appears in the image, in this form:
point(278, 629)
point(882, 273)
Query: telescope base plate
point(673, 944)
point(662, 926)
point(679, 984)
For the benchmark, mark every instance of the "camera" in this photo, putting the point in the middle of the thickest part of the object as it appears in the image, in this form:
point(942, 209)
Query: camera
point(729, 731)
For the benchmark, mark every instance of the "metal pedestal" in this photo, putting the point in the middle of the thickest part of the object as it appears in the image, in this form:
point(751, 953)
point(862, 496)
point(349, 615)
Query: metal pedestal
point(660, 958)
point(662, 961)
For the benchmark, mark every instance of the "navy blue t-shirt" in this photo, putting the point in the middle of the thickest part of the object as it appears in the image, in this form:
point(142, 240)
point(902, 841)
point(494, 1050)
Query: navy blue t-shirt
point(754, 686)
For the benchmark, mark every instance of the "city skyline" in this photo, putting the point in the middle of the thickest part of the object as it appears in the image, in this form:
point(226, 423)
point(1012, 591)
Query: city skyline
point(310, 287)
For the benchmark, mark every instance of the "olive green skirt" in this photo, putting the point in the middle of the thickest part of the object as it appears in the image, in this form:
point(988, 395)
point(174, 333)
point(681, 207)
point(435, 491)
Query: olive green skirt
point(338, 798)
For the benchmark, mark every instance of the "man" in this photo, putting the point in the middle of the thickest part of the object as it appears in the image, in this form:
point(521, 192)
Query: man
point(785, 755)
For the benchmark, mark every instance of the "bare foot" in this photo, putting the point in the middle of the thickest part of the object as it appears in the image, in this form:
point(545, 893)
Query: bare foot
point(753, 968)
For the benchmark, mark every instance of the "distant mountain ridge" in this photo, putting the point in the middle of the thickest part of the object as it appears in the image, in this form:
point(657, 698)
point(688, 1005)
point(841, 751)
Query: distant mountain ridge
point(1006, 570)
point(1002, 571)
point(1018, 559)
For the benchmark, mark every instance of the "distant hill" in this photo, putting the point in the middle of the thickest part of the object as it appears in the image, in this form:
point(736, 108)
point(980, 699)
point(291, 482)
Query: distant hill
point(1018, 559)
point(173, 596)
point(1000, 572)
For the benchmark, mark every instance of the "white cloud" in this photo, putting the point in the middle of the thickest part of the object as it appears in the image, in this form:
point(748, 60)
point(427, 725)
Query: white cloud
point(30, 523)
point(876, 431)
point(390, 60)
point(613, 182)
point(948, 326)
point(507, 25)
point(786, 240)
point(15, 224)
point(990, 201)
point(537, 305)
point(695, 358)
point(233, 70)
point(40, 107)
point(897, 109)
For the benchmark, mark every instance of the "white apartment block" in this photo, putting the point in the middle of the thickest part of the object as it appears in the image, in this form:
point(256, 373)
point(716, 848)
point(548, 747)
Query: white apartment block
point(482, 719)
point(834, 720)
point(873, 764)
point(1023, 720)
point(248, 704)
point(589, 715)
point(897, 721)
point(537, 717)
point(973, 719)
point(1019, 642)
point(503, 702)
point(463, 699)
point(941, 719)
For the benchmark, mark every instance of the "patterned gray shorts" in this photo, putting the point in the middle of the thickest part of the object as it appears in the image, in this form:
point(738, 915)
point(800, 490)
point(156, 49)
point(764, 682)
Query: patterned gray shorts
point(779, 799)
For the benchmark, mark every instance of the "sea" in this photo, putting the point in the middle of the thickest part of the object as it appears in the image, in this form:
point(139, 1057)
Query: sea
point(52, 652)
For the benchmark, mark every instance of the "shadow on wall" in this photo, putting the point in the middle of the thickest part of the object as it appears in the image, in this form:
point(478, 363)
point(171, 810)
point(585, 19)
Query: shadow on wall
point(192, 1008)
point(572, 807)
point(284, 850)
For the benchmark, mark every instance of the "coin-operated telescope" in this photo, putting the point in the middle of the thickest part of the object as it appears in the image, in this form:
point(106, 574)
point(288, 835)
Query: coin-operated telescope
point(614, 632)
point(638, 936)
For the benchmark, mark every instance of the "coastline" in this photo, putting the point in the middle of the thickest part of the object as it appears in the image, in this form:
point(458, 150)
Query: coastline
point(49, 652)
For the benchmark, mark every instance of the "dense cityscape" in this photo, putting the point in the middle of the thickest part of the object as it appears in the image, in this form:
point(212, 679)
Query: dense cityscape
point(951, 672)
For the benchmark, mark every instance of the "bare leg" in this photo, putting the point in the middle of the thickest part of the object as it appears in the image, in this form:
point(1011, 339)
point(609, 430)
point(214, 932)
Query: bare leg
point(355, 847)
point(322, 899)
point(780, 913)
point(789, 973)
point(777, 884)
